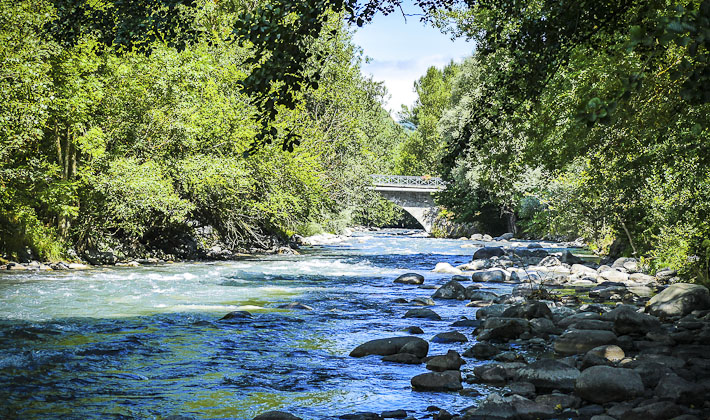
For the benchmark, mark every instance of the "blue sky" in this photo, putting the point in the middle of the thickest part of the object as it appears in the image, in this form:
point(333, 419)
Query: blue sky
point(401, 52)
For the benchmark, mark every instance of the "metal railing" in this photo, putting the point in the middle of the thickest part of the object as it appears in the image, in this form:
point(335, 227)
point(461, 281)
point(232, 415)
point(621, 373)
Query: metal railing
point(408, 181)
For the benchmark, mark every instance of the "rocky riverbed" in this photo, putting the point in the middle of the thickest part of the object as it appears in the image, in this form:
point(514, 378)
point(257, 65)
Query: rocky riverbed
point(574, 339)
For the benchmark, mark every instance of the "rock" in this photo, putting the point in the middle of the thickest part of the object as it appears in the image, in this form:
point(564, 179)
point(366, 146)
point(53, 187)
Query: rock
point(460, 278)
point(530, 310)
point(592, 324)
point(679, 299)
point(583, 269)
point(614, 276)
point(450, 361)
point(506, 236)
point(451, 290)
point(449, 380)
point(410, 278)
point(498, 328)
point(524, 389)
point(403, 358)
point(558, 400)
point(603, 384)
point(482, 351)
point(77, 266)
point(414, 330)
point(449, 337)
point(569, 258)
point(446, 268)
point(673, 387)
point(652, 410)
point(488, 252)
point(295, 305)
point(394, 414)
point(548, 375)
point(424, 301)
point(573, 318)
point(543, 326)
point(392, 345)
point(472, 323)
point(496, 407)
point(17, 267)
point(425, 313)
point(236, 315)
point(473, 293)
point(581, 341)
point(664, 275)
point(365, 415)
point(493, 275)
point(611, 353)
point(492, 374)
point(642, 278)
point(276, 415)
point(634, 323)
point(490, 311)
point(550, 261)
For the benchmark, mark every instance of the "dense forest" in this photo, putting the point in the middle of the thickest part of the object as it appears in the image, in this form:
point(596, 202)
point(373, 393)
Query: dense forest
point(572, 119)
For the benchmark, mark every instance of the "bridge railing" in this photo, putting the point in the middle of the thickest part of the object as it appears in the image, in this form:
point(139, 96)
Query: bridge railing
point(408, 181)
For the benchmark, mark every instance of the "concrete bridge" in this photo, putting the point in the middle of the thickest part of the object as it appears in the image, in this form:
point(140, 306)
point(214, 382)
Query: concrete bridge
point(413, 193)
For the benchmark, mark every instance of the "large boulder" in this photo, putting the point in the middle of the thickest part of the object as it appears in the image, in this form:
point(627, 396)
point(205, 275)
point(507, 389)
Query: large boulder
point(450, 361)
point(489, 276)
point(451, 290)
point(392, 345)
point(499, 328)
point(548, 375)
point(629, 322)
point(581, 341)
point(603, 384)
point(673, 387)
point(488, 252)
point(449, 380)
point(679, 299)
point(410, 278)
point(529, 310)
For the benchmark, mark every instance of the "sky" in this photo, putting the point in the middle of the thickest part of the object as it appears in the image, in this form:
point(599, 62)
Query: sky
point(402, 51)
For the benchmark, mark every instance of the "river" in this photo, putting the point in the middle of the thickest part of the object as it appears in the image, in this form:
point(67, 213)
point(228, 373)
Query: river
point(147, 342)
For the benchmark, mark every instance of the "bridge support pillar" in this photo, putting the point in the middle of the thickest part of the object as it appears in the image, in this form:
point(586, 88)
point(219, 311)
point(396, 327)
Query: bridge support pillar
point(420, 205)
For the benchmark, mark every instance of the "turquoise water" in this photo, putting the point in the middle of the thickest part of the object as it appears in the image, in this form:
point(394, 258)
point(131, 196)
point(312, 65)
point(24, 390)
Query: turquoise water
point(148, 342)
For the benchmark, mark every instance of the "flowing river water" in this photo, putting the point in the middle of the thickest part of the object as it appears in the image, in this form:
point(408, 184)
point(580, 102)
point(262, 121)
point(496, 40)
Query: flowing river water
point(148, 342)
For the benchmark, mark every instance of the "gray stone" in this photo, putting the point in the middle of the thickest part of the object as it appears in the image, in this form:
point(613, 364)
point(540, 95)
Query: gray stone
point(673, 387)
point(451, 290)
point(499, 328)
point(365, 415)
point(661, 410)
point(423, 301)
point(548, 375)
point(524, 389)
point(592, 324)
point(414, 330)
point(410, 278)
point(488, 252)
point(665, 275)
point(482, 351)
point(449, 337)
point(491, 311)
point(450, 361)
point(425, 313)
point(630, 322)
point(611, 353)
point(581, 341)
point(489, 276)
point(496, 407)
point(603, 384)
point(394, 414)
point(679, 299)
point(446, 268)
point(529, 310)
point(403, 358)
point(559, 400)
point(392, 345)
point(295, 305)
point(471, 323)
point(236, 315)
point(571, 319)
point(475, 294)
point(543, 326)
point(449, 380)
point(568, 258)
point(493, 374)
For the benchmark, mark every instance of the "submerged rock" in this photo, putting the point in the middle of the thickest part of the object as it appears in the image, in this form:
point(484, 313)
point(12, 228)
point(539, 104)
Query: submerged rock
point(446, 268)
point(236, 315)
point(295, 305)
point(449, 337)
point(450, 361)
point(392, 345)
point(451, 290)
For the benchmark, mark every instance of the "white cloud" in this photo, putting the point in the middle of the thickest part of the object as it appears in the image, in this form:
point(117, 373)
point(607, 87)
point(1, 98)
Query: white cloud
point(399, 77)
